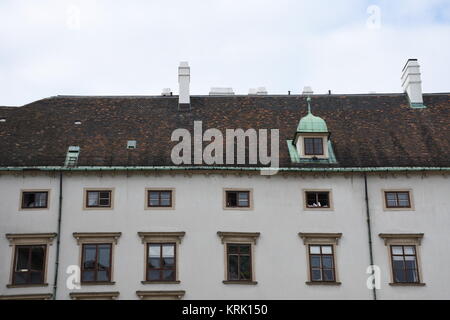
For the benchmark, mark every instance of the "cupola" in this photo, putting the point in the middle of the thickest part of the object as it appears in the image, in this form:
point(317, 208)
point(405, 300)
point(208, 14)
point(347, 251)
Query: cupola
point(311, 140)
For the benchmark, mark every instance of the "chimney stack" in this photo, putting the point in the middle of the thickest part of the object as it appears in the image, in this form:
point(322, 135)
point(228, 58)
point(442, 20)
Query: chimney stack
point(307, 90)
point(412, 83)
point(184, 75)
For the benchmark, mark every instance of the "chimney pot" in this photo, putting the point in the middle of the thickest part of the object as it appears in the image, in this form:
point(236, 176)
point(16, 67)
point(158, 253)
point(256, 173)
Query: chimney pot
point(184, 77)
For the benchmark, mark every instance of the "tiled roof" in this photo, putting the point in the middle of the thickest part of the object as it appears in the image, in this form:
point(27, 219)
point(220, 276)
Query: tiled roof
point(374, 130)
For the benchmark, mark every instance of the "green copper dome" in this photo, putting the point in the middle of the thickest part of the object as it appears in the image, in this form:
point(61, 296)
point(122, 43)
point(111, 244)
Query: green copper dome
point(311, 123)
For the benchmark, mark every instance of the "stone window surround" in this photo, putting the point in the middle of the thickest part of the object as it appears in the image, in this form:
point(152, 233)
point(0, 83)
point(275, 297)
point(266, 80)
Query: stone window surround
point(413, 239)
point(330, 200)
point(161, 237)
point(411, 199)
point(250, 199)
point(146, 196)
point(239, 238)
point(34, 190)
point(85, 191)
point(16, 239)
point(97, 238)
point(31, 296)
point(321, 239)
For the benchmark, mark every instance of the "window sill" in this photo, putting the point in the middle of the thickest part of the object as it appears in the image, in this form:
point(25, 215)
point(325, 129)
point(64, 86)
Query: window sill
point(407, 284)
point(98, 283)
point(247, 282)
point(161, 282)
point(323, 283)
point(27, 285)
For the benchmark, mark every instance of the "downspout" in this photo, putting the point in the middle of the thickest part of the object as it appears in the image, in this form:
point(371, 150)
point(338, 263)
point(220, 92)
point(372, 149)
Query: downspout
point(369, 231)
point(58, 235)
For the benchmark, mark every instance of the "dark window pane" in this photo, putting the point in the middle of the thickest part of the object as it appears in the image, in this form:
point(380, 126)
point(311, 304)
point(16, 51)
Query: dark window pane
point(318, 148)
point(88, 275)
point(323, 199)
point(37, 258)
point(411, 275)
point(311, 199)
point(104, 195)
point(154, 263)
point(154, 275)
point(90, 252)
point(34, 199)
point(327, 262)
point(315, 262)
point(104, 202)
point(36, 277)
point(169, 275)
point(231, 199)
point(233, 248)
point(169, 262)
point(316, 275)
point(104, 254)
point(102, 275)
point(317, 199)
point(233, 267)
point(245, 268)
point(244, 249)
point(328, 275)
point(22, 258)
point(20, 277)
point(309, 148)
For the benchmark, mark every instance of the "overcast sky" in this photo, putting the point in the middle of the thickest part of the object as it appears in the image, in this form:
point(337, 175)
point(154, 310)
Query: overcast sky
point(100, 47)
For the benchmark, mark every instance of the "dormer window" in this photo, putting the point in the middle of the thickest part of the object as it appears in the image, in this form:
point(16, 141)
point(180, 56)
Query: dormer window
point(313, 146)
point(311, 142)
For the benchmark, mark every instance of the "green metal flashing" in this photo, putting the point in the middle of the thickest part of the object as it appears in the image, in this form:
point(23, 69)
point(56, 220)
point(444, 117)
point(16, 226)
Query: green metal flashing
point(311, 123)
point(417, 105)
point(217, 168)
point(295, 158)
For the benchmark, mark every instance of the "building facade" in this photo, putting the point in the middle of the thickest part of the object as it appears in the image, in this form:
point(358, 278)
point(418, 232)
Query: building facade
point(93, 206)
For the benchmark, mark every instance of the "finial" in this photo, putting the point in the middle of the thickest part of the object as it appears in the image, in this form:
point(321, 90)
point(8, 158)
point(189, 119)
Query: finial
point(309, 104)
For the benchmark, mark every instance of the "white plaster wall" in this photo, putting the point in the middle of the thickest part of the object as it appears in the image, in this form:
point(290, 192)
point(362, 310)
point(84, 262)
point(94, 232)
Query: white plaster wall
point(280, 255)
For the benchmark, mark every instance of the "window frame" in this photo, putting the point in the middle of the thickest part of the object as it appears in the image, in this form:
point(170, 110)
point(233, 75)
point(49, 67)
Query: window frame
point(404, 239)
point(86, 198)
point(227, 245)
point(237, 190)
point(161, 238)
point(23, 191)
point(44, 266)
point(299, 142)
point(159, 189)
point(241, 238)
point(321, 255)
point(313, 145)
point(96, 259)
point(98, 238)
point(29, 239)
point(161, 257)
point(322, 239)
point(330, 200)
point(398, 208)
point(403, 255)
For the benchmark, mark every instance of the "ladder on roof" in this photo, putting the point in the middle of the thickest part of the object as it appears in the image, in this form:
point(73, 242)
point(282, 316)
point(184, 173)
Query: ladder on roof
point(72, 156)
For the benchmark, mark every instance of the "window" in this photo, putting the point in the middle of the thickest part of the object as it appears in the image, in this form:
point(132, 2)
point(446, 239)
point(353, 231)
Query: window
point(98, 198)
point(239, 248)
point(397, 199)
point(315, 199)
point(34, 199)
point(161, 251)
point(97, 256)
point(321, 257)
point(404, 264)
point(238, 199)
point(313, 146)
point(96, 263)
point(403, 250)
point(29, 264)
point(239, 262)
point(321, 261)
point(161, 264)
point(159, 198)
point(29, 258)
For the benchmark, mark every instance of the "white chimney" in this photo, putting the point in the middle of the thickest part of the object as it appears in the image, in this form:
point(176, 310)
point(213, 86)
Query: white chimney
point(307, 90)
point(252, 91)
point(184, 75)
point(411, 82)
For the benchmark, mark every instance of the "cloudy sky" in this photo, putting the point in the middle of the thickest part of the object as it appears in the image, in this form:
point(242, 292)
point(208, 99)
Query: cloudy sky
point(100, 47)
